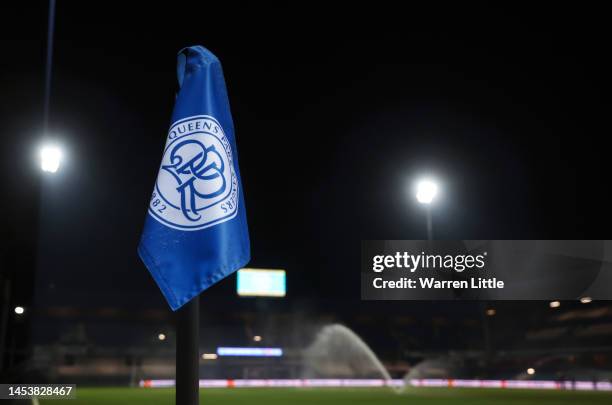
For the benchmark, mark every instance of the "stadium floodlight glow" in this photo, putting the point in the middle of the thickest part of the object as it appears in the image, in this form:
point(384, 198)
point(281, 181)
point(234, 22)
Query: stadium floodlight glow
point(554, 304)
point(491, 312)
point(531, 371)
point(257, 338)
point(19, 310)
point(161, 337)
point(426, 191)
point(250, 351)
point(50, 158)
point(209, 356)
point(586, 300)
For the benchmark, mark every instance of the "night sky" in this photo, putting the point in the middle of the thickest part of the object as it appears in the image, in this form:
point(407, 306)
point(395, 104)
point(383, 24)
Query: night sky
point(335, 115)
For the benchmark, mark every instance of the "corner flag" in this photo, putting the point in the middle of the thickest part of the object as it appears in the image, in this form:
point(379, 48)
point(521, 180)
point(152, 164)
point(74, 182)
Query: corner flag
point(195, 230)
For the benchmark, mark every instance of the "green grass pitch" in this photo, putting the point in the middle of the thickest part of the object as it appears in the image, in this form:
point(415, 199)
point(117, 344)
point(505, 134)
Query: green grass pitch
point(339, 396)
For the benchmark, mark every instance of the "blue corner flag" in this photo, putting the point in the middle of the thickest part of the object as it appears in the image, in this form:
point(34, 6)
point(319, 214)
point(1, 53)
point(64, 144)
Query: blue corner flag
point(196, 231)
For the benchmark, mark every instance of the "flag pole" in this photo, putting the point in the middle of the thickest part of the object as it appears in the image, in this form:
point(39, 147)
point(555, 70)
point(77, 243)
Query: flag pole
point(187, 353)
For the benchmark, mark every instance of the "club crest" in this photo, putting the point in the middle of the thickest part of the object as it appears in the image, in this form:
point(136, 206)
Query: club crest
point(196, 186)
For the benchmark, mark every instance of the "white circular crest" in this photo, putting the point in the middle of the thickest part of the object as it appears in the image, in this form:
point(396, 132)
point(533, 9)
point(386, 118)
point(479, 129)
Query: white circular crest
point(196, 186)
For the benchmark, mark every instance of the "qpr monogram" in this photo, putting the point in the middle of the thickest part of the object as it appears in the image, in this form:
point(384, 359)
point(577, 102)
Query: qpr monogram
point(196, 187)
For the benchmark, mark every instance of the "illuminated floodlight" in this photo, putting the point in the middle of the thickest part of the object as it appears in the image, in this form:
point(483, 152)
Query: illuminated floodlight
point(586, 300)
point(261, 283)
point(426, 191)
point(554, 304)
point(491, 312)
point(19, 310)
point(257, 338)
point(161, 337)
point(50, 158)
point(250, 351)
point(209, 356)
point(531, 371)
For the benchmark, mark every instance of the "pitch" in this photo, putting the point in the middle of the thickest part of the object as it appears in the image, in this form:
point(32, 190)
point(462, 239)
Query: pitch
point(341, 396)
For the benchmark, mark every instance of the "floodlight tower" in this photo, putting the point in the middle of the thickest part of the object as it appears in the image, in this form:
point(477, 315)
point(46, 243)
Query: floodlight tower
point(426, 192)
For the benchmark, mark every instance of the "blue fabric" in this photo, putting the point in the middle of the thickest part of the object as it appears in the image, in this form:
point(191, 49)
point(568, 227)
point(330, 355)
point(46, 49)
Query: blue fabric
point(196, 230)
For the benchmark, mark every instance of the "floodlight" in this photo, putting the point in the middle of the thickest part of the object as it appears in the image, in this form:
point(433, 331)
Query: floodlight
point(50, 158)
point(426, 191)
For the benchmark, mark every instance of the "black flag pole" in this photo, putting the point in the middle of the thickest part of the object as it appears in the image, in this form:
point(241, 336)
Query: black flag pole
point(187, 353)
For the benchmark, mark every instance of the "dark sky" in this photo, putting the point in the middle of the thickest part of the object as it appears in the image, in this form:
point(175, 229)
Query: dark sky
point(335, 115)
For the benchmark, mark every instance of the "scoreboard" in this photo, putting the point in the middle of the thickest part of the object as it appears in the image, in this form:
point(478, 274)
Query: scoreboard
point(261, 283)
